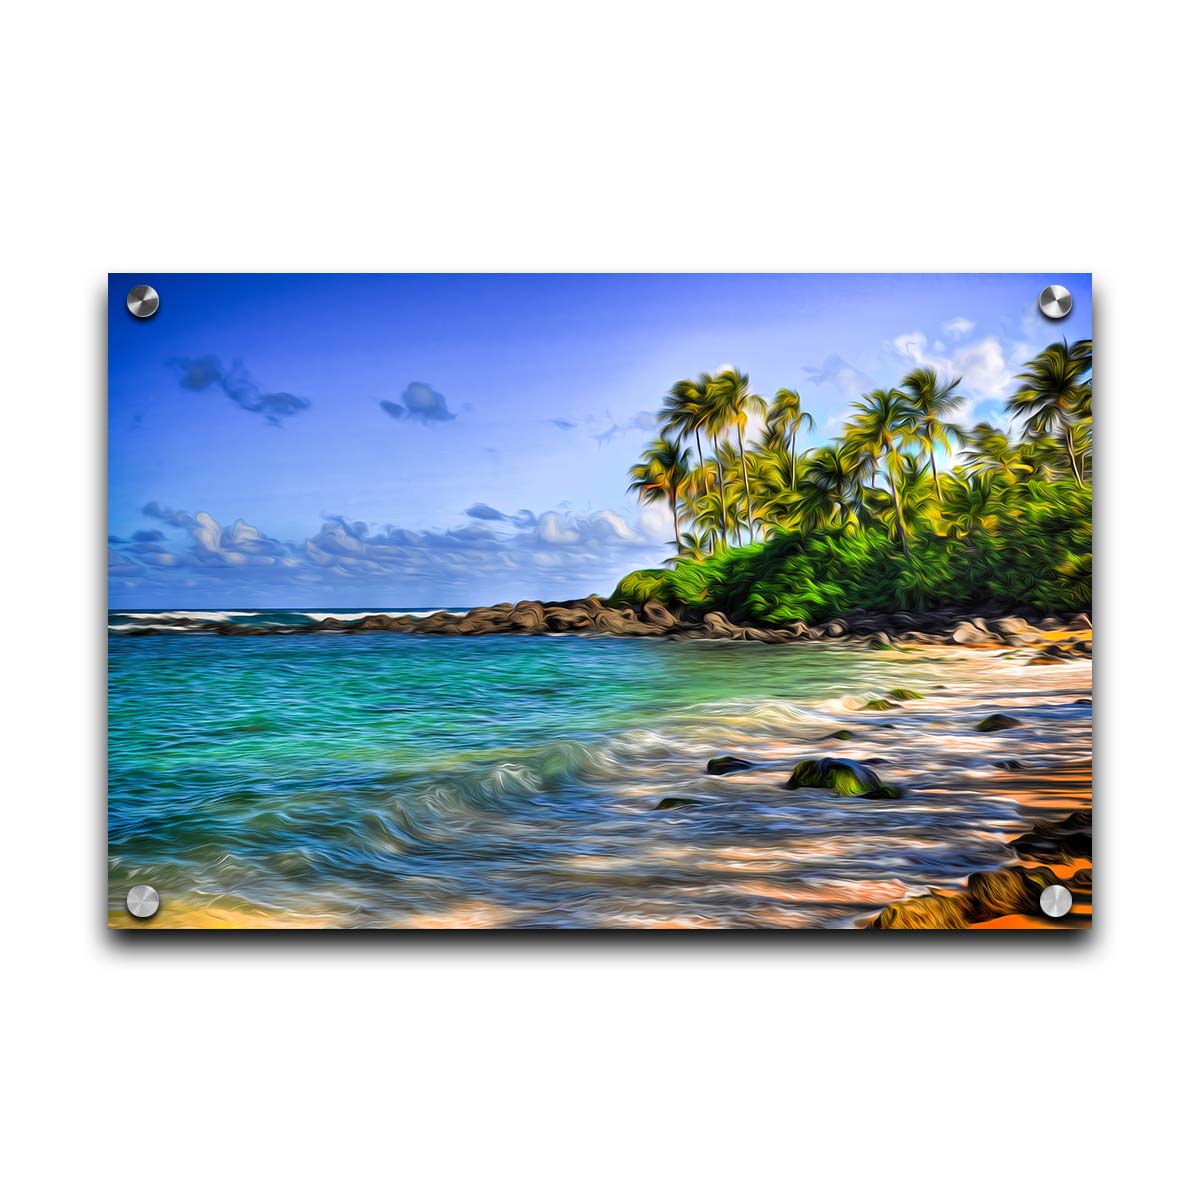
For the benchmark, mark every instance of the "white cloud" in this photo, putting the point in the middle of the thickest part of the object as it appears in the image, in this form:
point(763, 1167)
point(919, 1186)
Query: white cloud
point(983, 366)
point(958, 327)
point(554, 554)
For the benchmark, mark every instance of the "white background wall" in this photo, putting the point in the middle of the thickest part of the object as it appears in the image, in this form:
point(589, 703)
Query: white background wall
point(520, 136)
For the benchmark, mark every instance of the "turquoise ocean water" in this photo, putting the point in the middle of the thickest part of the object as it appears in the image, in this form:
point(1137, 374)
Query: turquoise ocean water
point(384, 779)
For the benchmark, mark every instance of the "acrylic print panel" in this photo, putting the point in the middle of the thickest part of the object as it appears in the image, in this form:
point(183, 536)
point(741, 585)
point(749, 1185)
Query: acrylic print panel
point(611, 601)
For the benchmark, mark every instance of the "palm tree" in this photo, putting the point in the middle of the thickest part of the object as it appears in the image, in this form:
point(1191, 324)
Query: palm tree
point(714, 418)
point(861, 441)
point(970, 504)
point(785, 418)
point(829, 484)
point(738, 403)
point(931, 401)
point(683, 410)
point(659, 474)
point(704, 512)
point(771, 469)
point(885, 424)
point(990, 455)
point(728, 462)
point(1055, 395)
point(691, 549)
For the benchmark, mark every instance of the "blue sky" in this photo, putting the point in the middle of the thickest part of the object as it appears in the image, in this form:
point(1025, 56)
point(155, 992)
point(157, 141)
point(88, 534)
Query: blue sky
point(397, 441)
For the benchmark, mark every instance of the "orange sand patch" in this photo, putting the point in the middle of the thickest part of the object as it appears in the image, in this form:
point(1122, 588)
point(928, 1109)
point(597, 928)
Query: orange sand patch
point(175, 914)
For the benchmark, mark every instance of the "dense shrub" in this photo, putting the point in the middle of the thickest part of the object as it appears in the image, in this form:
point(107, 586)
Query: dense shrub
point(1038, 555)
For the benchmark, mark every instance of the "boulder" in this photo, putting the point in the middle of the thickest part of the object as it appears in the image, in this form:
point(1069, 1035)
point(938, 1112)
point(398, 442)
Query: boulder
point(676, 802)
point(614, 620)
point(528, 616)
point(968, 634)
point(997, 721)
point(726, 765)
point(1012, 625)
point(770, 636)
point(905, 694)
point(654, 613)
point(718, 624)
point(560, 619)
point(843, 776)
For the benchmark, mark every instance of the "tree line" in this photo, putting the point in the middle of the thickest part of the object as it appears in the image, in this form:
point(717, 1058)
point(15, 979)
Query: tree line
point(880, 473)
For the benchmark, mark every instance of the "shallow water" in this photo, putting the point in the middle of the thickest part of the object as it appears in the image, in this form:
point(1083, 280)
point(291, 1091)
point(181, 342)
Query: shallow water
point(384, 780)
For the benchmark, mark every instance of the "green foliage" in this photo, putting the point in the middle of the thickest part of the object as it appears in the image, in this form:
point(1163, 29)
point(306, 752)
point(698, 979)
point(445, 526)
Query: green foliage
point(639, 587)
point(1038, 556)
point(871, 521)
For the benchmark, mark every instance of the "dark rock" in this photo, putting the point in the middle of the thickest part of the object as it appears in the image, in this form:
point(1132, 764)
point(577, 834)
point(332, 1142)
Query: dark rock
point(726, 765)
point(1010, 764)
point(843, 776)
point(841, 735)
point(676, 802)
point(878, 705)
point(905, 694)
point(1057, 841)
point(995, 722)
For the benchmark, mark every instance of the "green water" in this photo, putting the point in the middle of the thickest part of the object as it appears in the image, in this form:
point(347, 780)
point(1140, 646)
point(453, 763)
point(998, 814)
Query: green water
point(382, 779)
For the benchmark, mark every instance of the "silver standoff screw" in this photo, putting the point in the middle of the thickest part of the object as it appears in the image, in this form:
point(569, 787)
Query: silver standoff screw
point(1055, 901)
point(1055, 302)
point(142, 901)
point(142, 301)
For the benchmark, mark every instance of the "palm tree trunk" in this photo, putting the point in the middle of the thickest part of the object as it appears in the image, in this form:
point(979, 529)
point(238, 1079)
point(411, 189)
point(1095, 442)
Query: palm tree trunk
point(721, 490)
point(896, 501)
point(937, 483)
point(792, 456)
point(746, 485)
point(675, 518)
point(700, 456)
point(1069, 439)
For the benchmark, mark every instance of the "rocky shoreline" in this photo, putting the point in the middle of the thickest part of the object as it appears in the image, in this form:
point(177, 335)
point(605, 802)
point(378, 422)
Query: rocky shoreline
point(1010, 896)
point(1056, 638)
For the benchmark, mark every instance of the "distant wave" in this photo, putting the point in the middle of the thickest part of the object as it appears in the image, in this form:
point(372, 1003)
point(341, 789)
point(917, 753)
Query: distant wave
point(183, 620)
